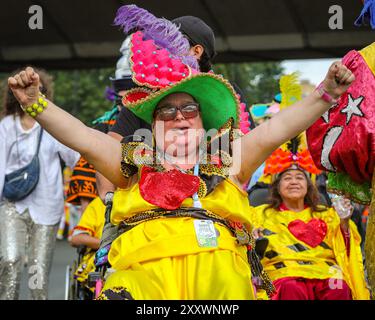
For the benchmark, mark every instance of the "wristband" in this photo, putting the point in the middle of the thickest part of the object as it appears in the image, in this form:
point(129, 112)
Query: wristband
point(37, 107)
point(325, 95)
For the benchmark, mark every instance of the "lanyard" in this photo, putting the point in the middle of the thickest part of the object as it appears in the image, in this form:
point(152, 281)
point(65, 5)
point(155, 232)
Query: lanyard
point(197, 203)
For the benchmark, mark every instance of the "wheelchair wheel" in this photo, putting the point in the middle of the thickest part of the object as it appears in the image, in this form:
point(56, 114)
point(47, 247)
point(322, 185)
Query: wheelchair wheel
point(71, 286)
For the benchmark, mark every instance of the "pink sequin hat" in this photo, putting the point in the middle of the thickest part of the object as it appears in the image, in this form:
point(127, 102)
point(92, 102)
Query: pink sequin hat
point(159, 75)
point(161, 65)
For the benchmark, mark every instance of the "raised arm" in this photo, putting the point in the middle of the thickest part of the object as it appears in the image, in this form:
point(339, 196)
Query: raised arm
point(256, 146)
point(102, 151)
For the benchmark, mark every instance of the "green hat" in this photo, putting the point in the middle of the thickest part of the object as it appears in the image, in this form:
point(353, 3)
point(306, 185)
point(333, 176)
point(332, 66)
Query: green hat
point(217, 98)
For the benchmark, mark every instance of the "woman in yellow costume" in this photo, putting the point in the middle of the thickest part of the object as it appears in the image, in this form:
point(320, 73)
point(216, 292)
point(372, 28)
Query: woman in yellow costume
point(313, 252)
point(182, 211)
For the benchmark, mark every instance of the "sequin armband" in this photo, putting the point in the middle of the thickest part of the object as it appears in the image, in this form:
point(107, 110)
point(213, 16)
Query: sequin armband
point(134, 156)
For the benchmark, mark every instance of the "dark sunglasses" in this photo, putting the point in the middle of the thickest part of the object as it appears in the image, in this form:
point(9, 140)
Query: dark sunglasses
point(168, 113)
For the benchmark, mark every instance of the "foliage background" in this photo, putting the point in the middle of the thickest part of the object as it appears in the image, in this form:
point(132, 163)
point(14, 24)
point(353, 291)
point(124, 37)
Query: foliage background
point(82, 92)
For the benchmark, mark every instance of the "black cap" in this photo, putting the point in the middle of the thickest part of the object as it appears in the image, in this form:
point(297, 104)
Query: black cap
point(198, 32)
point(125, 83)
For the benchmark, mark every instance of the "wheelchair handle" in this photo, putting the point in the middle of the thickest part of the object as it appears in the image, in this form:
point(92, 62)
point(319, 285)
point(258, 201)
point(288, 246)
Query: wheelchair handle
point(108, 198)
point(81, 249)
point(108, 203)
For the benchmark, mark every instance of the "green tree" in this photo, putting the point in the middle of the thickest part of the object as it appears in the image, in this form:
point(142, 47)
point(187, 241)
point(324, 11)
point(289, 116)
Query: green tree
point(82, 92)
point(258, 81)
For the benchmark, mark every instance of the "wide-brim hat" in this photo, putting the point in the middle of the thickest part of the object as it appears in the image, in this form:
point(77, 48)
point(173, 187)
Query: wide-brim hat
point(160, 65)
point(217, 99)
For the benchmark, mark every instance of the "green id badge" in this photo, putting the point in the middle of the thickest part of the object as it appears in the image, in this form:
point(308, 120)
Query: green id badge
point(206, 233)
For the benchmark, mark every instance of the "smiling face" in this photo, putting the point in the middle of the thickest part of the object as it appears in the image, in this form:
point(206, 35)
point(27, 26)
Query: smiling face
point(293, 185)
point(180, 136)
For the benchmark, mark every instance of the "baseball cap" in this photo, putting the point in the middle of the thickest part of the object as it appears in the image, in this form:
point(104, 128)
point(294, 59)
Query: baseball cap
point(198, 32)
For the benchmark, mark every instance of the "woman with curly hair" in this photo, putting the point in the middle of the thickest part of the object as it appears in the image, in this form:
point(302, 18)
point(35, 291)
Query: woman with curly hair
point(28, 223)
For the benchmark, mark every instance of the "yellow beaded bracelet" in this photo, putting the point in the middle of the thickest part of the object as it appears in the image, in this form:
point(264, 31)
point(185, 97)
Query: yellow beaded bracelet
point(38, 107)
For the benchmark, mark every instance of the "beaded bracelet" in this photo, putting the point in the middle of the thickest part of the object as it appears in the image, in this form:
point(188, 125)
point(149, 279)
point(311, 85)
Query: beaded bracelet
point(38, 107)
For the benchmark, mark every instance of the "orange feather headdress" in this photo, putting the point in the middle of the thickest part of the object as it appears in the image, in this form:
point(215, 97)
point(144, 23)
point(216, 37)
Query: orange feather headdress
point(294, 153)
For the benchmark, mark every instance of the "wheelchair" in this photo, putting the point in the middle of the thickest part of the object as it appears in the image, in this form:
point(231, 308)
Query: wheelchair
point(74, 289)
point(77, 290)
point(97, 278)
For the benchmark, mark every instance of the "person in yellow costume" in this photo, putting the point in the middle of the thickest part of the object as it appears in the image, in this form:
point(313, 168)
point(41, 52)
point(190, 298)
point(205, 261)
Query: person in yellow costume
point(182, 211)
point(88, 232)
point(185, 228)
point(313, 252)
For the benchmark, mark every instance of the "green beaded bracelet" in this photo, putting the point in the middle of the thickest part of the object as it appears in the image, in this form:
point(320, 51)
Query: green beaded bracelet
point(37, 107)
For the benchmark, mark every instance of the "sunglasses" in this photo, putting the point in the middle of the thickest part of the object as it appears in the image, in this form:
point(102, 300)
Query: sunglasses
point(168, 113)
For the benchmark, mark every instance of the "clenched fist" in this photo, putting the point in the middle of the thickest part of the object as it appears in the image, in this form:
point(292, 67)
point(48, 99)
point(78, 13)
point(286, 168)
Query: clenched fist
point(25, 86)
point(338, 80)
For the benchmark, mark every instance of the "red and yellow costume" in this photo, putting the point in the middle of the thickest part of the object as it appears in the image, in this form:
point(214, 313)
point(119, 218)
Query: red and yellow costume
point(308, 254)
point(164, 251)
point(310, 245)
point(154, 257)
point(158, 256)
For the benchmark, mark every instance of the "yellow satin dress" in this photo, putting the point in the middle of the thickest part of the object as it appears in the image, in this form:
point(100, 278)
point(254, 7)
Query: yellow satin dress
point(161, 258)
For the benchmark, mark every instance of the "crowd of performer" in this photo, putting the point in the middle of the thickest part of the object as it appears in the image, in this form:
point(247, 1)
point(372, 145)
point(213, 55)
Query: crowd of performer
point(181, 190)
